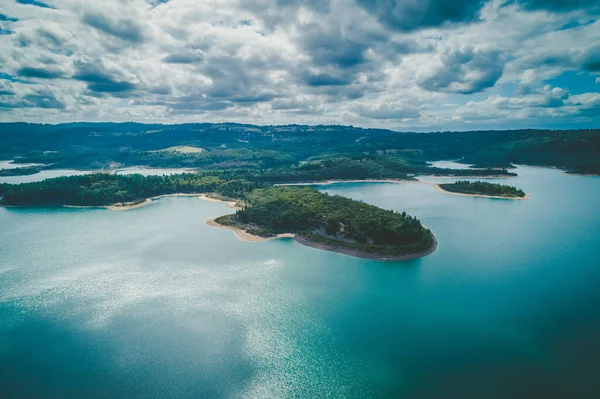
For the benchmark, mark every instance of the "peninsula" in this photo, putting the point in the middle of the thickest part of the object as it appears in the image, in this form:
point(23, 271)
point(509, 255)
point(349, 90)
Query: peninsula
point(332, 223)
point(316, 219)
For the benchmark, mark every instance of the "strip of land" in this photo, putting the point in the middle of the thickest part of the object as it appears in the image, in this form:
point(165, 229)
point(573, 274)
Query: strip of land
point(243, 234)
point(437, 187)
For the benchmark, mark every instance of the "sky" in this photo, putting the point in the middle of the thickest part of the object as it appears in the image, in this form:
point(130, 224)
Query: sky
point(413, 65)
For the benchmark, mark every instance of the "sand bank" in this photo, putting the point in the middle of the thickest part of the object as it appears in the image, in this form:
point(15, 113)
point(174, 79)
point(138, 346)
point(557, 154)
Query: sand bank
point(244, 235)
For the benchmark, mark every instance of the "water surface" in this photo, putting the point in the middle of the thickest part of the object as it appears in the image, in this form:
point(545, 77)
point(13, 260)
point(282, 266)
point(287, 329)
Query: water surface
point(153, 303)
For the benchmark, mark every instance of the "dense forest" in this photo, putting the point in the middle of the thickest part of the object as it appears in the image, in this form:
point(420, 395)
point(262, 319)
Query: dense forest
point(31, 170)
point(333, 220)
point(95, 146)
point(483, 188)
point(99, 189)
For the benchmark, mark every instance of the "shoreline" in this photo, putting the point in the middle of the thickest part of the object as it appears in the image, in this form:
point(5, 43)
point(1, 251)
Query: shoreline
point(243, 234)
point(367, 255)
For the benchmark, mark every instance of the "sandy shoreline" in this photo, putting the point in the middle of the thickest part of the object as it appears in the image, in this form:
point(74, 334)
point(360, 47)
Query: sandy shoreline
point(243, 234)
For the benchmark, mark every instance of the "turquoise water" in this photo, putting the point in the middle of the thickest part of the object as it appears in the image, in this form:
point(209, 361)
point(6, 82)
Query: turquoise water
point(153, 303)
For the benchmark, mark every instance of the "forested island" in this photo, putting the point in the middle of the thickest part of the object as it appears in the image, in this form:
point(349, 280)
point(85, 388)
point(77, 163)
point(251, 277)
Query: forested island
point(328, 222)
point(102, 189)
point(332, 222)
point(479, 188)
point(243, 162)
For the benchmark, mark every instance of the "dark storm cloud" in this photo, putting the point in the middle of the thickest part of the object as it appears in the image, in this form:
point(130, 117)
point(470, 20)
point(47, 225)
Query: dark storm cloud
point(121, 28)
point(38, 99)
point(100, 80)
point(41, 73)
point(326, 45)
point(465, 71)
point(34, 3)
point(258, 98)
point(183, 58)
point(411, 15)
point(322, 79)
point(591, 59)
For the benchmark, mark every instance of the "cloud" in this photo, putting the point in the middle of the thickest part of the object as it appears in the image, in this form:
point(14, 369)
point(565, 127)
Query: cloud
point(43, 99)
point(34, 3)
point(41, 73)
point(187, 57)
point(465, 70)
point(327, 45)
point(373, 63)
point(384, 111)
point(322, 79)
point(560, 6)
point(591, 59)
point(122, 28)
point(411, 15)
point(101, 80)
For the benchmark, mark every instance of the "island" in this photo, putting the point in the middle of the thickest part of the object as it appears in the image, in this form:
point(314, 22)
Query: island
point(333, 223)
point(315, 219)
point(21, 171)
point(483, 189)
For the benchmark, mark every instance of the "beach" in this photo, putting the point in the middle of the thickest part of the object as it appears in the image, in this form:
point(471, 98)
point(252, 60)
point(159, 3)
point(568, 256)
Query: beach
point(243, 234)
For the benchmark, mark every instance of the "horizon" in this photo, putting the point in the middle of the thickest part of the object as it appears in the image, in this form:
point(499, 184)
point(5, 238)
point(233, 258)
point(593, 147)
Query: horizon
point(405, 130)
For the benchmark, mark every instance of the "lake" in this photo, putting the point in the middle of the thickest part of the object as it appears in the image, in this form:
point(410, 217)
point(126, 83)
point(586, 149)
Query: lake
point(154, 303)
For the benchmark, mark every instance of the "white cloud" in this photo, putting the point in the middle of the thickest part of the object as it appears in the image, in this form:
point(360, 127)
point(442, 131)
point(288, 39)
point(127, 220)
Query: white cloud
point(292, 61)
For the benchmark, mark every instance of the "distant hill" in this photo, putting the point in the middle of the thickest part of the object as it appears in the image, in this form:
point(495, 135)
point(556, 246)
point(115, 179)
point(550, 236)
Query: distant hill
point(231, 145)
